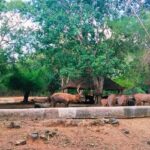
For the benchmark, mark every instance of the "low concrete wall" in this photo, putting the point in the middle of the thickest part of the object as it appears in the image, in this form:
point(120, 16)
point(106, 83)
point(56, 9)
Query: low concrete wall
point(75, 112)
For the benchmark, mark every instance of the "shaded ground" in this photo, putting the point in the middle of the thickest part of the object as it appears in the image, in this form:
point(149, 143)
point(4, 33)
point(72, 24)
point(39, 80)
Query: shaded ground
point(16, 102)
point(79, 137)
point(18, 99)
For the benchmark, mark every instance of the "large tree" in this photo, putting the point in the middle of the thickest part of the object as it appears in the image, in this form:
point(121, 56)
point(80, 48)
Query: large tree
point(79, 38)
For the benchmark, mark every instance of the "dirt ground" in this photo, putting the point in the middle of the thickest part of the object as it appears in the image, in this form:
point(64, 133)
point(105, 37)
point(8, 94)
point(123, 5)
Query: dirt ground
point(16, 103)
point(16, 99)
point(130, 134)
point(78, 137)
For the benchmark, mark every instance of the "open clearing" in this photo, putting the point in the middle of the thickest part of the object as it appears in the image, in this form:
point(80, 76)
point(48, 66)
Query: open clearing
point(80, 137)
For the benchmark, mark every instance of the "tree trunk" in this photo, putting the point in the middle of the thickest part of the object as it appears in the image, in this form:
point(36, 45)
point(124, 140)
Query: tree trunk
point(99, 83)
point(101, 80)
point(62, 82)
point(26, 96)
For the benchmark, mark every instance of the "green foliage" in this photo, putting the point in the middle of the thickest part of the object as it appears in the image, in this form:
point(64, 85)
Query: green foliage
point(54, 83)
point(108, 92)
point(70, 43)
point(17, 5)
point(27, 79)
point(133, 90)
point(126, 83)
point(3, 64)
point(2, 5)
point(4, 89)
point(66, 25)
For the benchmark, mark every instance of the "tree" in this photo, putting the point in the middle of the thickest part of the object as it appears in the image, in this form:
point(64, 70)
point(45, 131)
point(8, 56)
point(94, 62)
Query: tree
point(16, 39)
point(138, 44)
point(28, 77)
point(77, 40)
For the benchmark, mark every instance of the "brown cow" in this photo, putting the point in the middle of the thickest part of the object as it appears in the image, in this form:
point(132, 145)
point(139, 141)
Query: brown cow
point(112, 100)
point(141, 99)
point(122, 100)
point(65, 98)
point(104, 102)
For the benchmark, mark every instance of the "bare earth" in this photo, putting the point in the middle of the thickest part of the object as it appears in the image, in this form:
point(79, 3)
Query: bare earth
point(16, 102)
point(96, 137)
point(74, 137)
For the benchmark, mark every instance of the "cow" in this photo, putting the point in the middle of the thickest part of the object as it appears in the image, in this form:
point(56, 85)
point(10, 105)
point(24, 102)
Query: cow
point(104, 102)
point(65, 98)
point(131, 100)
point(112, 101)
point(141, 99)
point(122, 100)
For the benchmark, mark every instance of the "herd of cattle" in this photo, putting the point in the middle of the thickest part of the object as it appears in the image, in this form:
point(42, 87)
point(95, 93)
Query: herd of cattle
point(112, 100)
point(126, 100)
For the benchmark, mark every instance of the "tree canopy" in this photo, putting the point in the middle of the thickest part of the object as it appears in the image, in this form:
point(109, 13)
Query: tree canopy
point(54, 41)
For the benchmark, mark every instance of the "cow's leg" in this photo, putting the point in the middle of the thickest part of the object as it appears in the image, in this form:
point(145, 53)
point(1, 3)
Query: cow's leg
point(66, 104)
point(142, 103)
point(53, 102)
point(138, 102)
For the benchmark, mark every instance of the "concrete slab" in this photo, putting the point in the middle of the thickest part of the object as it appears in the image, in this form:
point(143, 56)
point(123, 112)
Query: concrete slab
point(75, 113)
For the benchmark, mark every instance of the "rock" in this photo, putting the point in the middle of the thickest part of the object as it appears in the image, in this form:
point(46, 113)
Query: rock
point(91, 144)
point(43, 137)
point(50, 133)
point(125, 131)
point(113, 121)
point(97, 122)
point(34, 135)
point(105, 120)
point(15, 125)
point(21, 142)
point(148, 142)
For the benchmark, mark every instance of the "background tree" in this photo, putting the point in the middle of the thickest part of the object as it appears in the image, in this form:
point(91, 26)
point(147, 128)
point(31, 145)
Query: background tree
point(28, 77)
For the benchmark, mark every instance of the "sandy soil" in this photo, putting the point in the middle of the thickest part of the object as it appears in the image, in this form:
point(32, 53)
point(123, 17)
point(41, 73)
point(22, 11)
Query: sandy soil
point(80, 137)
